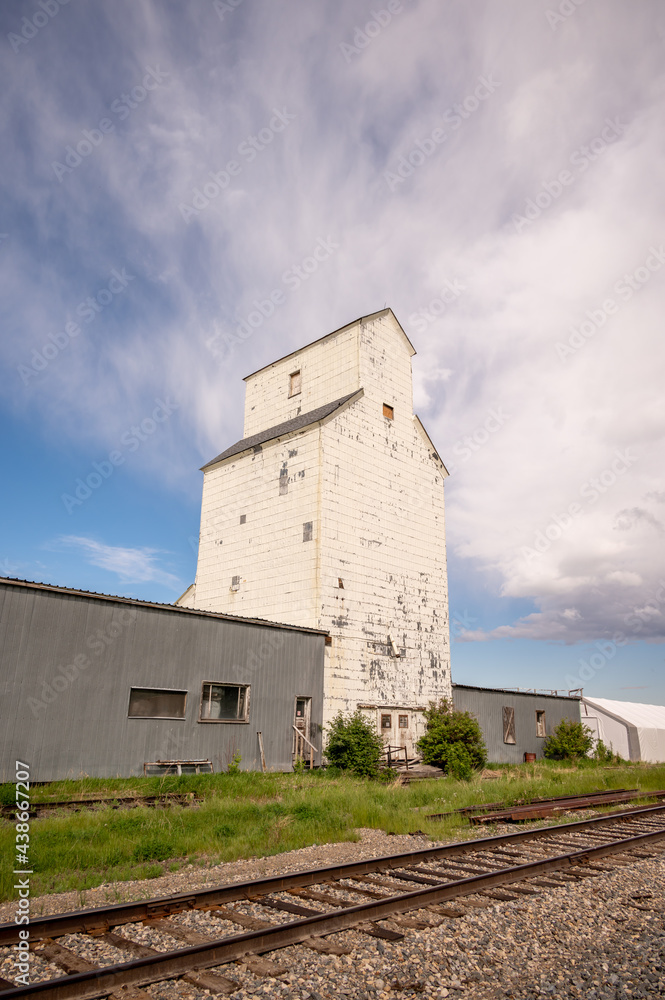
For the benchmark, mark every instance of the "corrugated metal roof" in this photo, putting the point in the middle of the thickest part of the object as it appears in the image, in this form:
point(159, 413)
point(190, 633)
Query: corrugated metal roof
point(530, 694)
point(287, 427)
point(33, 585)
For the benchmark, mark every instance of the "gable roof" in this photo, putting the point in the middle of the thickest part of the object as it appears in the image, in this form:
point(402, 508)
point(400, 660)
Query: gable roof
point(361, 319)
point(287, 427)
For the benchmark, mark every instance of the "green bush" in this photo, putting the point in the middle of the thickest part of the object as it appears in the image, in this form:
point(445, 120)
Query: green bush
point(353, 744)
point(459, 763)
point(568, 741)
point(605, 755)
point(453, 740)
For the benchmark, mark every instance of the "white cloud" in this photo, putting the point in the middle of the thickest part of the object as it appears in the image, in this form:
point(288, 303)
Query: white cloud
point(136, 565)
point(494, 347)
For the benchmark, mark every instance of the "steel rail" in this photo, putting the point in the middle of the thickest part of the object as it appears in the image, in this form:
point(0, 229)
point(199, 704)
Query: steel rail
point(491, 807)
point(106, 917)
point(540, 810)
point(141, 972)
point(119, 802)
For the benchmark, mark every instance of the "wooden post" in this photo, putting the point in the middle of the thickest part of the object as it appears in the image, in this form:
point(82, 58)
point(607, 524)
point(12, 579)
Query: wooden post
point(263, 756)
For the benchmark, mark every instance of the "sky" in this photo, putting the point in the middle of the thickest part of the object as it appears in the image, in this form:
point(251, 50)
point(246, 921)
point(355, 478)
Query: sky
point(492, 171)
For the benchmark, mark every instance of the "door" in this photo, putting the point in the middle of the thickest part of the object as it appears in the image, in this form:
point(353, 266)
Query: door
point(301, 720)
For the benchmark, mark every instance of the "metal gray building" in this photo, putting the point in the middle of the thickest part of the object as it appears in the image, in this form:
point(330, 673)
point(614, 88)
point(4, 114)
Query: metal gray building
point(98, 685)
point(514, 722)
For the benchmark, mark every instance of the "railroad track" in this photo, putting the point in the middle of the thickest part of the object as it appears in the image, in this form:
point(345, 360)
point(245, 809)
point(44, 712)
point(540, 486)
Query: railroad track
point(540, 808)
point(37, 809)
point(307, 907)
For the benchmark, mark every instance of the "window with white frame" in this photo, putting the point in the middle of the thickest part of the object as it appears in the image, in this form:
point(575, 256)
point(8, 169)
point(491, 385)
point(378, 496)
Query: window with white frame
point(224, 702)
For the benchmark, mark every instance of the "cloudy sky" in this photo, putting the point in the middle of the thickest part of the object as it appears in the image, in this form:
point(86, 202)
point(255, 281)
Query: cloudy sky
point(490, 170)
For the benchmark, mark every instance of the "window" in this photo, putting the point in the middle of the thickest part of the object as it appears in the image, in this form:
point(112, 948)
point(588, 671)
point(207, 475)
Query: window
point(307, 531)
point(235, 583)
point(224, 703)
point(283, 481)
point(508, 725)
point(340, 583)
point(156, 703)
point(403, 722)
point(294, 383)
point(243, 518)
point(540, 724)
point(386, 722)
point(388, 411)
point(178, 767)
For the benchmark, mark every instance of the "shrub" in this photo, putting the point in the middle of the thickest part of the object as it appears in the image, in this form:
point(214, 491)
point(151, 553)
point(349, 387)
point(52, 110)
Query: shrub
point(459, 763)
point(568, 741)
point(606, 755)
point(602, 753)
point(453, 740)
point(353, 744)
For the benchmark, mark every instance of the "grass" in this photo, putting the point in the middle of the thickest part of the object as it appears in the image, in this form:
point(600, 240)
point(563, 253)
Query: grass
point(252, 814)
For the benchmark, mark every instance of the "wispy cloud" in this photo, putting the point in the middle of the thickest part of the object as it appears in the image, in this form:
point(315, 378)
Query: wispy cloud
point(488, 347)
point(137, 565)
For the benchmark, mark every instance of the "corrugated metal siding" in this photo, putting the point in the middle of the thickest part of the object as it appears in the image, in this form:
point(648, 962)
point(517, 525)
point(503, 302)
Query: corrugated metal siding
point(488, 705)
point(66, 717)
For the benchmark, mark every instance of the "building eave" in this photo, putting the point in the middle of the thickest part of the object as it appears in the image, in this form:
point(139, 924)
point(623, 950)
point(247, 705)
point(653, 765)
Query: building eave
point(294, 426)
point(154, 605)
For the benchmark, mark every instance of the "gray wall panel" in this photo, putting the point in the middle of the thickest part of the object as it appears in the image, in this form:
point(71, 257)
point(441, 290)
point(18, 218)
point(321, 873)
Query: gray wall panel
point(487, 706)
point(78, 724)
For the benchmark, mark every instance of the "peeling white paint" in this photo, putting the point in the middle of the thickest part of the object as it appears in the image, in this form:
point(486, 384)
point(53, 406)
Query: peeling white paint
point(373, 489)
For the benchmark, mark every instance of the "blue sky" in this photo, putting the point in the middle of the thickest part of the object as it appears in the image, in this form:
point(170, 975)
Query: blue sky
point(492, 171)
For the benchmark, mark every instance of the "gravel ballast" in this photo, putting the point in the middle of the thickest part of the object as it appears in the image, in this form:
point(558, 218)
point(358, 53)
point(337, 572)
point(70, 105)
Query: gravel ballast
point(602, 937)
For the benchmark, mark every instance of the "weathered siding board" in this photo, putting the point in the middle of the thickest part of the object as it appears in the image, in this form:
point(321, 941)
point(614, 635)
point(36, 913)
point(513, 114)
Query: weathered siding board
point(84, 728)
point(488, 704)
point(278, 570)
point(329, 370)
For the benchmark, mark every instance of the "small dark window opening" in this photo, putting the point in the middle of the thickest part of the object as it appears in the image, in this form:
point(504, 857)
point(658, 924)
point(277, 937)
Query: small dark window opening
point(386, 722)
point(307, 531)
point(224, 703)
point(340, 583)
point(283, 481)
point(235, 583)
point(294, 383)
point(508, 725)
point(388, 411)
point(540, 724)
point(156, 703)
point(403, 722)
point(243, 518)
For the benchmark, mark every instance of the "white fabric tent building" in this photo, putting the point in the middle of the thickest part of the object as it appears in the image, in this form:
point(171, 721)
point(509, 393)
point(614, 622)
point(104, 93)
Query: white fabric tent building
point(635, 732)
